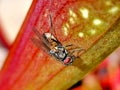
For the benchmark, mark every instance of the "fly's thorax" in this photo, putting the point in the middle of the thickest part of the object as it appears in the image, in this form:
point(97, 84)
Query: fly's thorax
point(59, 52)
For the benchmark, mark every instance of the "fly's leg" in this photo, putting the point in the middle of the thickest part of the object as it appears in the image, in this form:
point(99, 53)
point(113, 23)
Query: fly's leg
point(52, 30)
point(69, 45)
point(72, 51)
point(77, 51)
point(51, 24)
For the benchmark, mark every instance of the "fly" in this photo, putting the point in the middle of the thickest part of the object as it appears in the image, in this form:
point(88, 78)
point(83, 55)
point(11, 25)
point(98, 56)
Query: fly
point(55, 47)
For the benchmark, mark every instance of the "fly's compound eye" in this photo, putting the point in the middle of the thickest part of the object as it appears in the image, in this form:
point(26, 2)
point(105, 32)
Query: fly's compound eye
point(68, 60)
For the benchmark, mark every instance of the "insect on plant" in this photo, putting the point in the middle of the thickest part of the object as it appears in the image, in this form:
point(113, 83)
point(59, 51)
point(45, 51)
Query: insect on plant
point(54, 47)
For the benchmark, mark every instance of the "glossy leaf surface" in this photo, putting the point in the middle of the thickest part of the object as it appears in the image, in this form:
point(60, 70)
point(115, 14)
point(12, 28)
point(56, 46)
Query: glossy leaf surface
point(84, 23)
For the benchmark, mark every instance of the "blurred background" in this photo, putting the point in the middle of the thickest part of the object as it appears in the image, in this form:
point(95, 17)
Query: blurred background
point(12, 14)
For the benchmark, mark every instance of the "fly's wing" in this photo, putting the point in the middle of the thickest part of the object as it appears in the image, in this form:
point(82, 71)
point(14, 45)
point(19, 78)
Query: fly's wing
point(40, 42)
point(41, 37)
